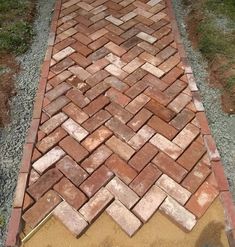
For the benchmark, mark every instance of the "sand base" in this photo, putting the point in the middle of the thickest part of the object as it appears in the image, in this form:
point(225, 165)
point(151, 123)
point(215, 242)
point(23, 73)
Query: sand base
point(158, 232)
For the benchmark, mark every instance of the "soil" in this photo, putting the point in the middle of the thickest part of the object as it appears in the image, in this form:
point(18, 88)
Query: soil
point(7, 88)
point(217, 76)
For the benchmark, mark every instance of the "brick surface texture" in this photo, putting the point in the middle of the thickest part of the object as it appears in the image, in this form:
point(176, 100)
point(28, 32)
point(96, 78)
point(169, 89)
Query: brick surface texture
point(118, 128)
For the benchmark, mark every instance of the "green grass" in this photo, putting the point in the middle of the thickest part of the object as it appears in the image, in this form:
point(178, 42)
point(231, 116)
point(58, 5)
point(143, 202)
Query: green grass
point(2, 220)
point(15, 25)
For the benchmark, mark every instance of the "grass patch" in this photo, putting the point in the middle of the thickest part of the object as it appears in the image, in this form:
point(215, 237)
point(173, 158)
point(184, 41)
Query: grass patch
point(2, 220)
point(15, 25)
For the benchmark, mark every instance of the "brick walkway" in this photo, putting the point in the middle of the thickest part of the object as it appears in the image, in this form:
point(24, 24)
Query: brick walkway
point(122, 128)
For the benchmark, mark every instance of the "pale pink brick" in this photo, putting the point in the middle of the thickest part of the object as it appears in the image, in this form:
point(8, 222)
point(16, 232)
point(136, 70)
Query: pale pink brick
point(146, 37)
point(186, 136)
point(63, 53)
point(112, 58)
point(153, 70)
point(98, 34)
point(114, 20)
point(142, 12)
point(81, 73)
point(53, 123)
point(98, 9)
point(142, 136)
point(138, 103)
point(179, 102)
point(114, 70)
point(166, 146)
point(75, 130)
point(124, 218)
point(128, 16)
point(133, 65)
point(148, 205)
point(117, 50)
point(48, 159)
point(96, 159)
point(178, 214)
point(20, 190)
point(85, 6)
point(122, 192)
point(158, 17)
point(95, 206)
point(211, 148)
point(120, 148)
point(58, 91)
point(69, 3)
point(153, 2)
point(124, 3)
point(70, 218)
point(173, 189)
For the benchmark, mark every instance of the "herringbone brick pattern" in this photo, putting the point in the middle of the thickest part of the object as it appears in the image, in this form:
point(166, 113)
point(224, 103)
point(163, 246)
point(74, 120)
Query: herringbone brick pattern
point(119, 129)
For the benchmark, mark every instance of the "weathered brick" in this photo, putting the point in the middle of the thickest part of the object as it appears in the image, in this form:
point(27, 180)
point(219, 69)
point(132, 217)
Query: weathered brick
point(70, 193)
point(145, 179)
point(117, 97)
point(202, 199)
point(96, 138)
point(75, 113)
point(178, 214)
point(121, 168)
point(63, 53)
point(120, 148)
point(173, 189)
point(51, 140)
point(133, 65)
point(150, 202)
point(124, 218)
point(122, 192)
point(58, 91)
point(120, 129)
point(73, 148)
point(98, 179)
point(211, 148)
point(143, 156)
point(41, 209)
point(20, 190)
point(116, 71)
point(47, 160)
point(95, 206)
point(136, 104)
point(181, 119)
point(179, 102)
point(72, 170)
point(70, 218)
point(153, 70)
point(96, 159)
point(166, 146)
point(77, 97)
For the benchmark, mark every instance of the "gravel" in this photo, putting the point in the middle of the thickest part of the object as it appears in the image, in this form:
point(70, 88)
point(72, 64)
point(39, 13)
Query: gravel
point(221, 124)
point(13, 136)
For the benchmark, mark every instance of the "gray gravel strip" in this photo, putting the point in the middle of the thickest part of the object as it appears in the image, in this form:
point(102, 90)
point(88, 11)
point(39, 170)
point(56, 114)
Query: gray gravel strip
point(221, 124)
point(12, 138)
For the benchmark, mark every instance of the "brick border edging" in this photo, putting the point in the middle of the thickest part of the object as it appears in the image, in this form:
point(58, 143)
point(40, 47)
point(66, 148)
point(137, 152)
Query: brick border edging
point(14, 224)
point(216, 164)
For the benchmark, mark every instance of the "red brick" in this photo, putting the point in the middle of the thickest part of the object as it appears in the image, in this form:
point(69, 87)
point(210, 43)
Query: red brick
point(98, 179)
point(221, 179)
point(41, 209)
point(26, 159)
point(196, 177)
point(202, 199)
point(71, 170)
point(82, 38)
point(172, 188)
point(229, 208)
point(159, 110)
point(120, 129)
point(139, 119)
point(120, 113)
point(62, 65)
point(75, 113)
point(96, 159)
point(175, 88)
point(145, 179)
point(96, 138)
point(51, 140)
point(70, 218)
point(80, 48)
point(97, 65)
point(116, 83)
point(13, 228)
point(117, 97)
point(95, 206)
point(135, 77)
point(192, 154)
point(173, 75)
point(78, 98)
point(181, 119)
point(124, 218)
point(121, 168)
point(98, 43)
point(143, 156)
point(97, 77)
point(28, 202)
point(162, 127)
point(80, 59)
point(73, 148)
point(32, 132)
point(150, 202)
point(58, 91)
point(33, 177)
point(179, 102)
point(136, 104)
point(70, 193)
point(96, 105)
